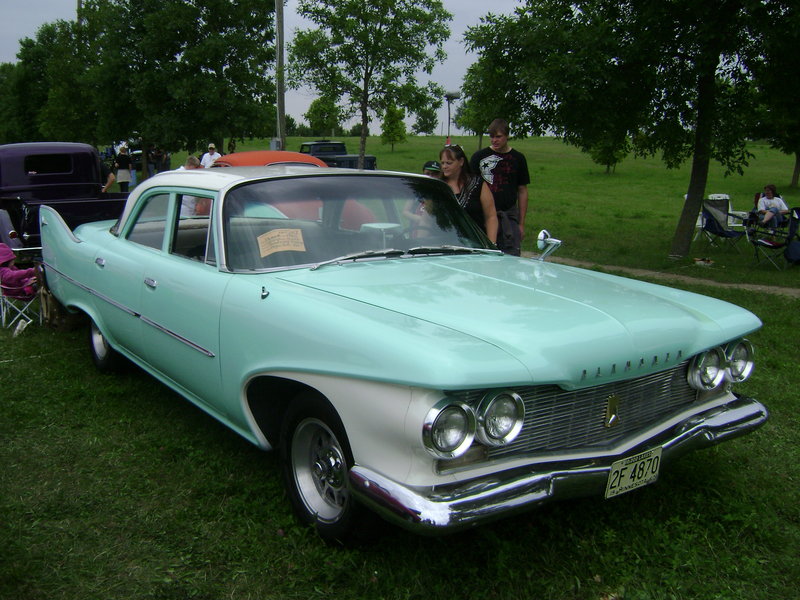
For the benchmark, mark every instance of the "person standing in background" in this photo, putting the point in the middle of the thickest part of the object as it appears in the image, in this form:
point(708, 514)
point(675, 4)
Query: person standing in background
point(209, 157)
point(505, 170)
point(123, 165)
point(471, 191)
point(150, 161)
point(432, 168)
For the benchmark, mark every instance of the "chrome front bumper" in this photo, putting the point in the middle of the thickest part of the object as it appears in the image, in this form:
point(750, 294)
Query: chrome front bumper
point(447, 508)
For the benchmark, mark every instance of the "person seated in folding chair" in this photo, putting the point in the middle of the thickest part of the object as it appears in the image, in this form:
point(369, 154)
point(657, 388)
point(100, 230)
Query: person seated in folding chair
point(771, 208)
point(16, 285)
point(771, 246)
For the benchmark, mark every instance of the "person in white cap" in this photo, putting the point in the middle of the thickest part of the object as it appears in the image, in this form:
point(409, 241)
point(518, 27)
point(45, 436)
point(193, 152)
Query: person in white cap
point(209, 157)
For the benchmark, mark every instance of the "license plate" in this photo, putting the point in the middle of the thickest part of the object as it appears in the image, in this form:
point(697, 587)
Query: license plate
point(633, 472)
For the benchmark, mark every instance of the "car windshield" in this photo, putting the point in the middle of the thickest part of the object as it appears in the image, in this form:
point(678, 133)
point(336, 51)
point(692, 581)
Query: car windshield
point(303, 221)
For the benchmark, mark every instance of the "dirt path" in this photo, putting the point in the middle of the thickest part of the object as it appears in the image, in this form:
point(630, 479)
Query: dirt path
point(768, 289)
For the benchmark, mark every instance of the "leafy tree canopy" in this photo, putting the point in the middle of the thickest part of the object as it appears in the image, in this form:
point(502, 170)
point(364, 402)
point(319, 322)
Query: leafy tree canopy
point(368, 53)
point(324, 117)
point(671, 76)
point(179, 72)
point(426, 120)
point(777, 76)
point(394, 129)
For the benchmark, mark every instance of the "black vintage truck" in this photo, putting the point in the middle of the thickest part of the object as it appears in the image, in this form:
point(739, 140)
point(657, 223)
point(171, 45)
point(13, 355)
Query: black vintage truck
point(335, 154)
point(65, 175)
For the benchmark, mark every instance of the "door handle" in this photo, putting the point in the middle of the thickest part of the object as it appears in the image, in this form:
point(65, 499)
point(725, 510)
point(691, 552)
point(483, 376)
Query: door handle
point(100, 262)
point(150, 282)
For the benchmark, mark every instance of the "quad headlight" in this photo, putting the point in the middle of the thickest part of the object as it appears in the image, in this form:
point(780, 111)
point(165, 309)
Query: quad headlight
point(500, 417)
point(452, 425)
point(740, 360)
point(709, 369)
point(449, 428)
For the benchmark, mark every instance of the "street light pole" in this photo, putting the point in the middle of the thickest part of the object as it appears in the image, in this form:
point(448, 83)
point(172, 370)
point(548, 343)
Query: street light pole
point(450, 96)
point(280, 105)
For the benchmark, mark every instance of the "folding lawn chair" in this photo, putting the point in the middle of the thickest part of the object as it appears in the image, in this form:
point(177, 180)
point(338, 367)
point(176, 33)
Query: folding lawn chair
point(716, 227)
point(770, 244)
point(18, 309)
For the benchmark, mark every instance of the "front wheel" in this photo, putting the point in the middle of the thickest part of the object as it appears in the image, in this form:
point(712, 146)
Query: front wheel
point(316, 459)
point(104, 357)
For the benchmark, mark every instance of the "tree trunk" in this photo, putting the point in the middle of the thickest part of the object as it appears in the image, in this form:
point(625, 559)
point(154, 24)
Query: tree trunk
point(701, 160)
point(796, 172)
point(362, 147)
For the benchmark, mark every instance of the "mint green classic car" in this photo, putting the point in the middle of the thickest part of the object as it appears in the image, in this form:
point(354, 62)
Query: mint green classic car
point(360, 323)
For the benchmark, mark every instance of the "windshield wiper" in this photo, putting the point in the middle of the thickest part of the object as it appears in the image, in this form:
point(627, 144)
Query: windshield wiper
point(387, 253)
point(451, 250)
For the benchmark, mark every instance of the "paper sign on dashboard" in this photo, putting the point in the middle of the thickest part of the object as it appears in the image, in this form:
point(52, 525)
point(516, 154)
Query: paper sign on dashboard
point(281, 240)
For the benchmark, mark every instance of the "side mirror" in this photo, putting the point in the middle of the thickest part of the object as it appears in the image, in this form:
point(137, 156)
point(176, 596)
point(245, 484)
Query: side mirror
point(546, 244)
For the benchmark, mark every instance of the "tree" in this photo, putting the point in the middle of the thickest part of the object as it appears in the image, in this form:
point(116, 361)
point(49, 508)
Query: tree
point(777, 79)
point(491, 89)
point(70, 111)
point(368, 53)
point(671, 76)
point(324, 117)
point(356, 130)
point(25, 87)
point(181, 73)
point(206, 61)
point(426, 120)
point(394, 128)
point(291, 125)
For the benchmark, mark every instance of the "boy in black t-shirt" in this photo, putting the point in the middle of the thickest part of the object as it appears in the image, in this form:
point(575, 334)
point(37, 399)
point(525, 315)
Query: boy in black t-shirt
point(506, 172)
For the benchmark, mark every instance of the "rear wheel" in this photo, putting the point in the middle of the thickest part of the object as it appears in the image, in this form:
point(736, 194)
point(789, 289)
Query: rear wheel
point(316, 459)
point(104, 357)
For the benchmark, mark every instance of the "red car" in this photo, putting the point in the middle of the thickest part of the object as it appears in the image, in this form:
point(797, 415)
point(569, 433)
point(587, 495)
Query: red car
point(264, 158)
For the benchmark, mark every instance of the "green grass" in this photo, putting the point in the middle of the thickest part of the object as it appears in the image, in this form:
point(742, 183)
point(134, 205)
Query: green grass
point(114, 487)
point(626, 218)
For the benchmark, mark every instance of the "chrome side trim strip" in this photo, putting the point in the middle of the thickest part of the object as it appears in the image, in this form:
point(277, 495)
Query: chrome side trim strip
point(93, 292)
point(132, 313)
point(175, 336)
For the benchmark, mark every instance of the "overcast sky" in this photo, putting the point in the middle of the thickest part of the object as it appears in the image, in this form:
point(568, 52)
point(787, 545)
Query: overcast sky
point(22, 18)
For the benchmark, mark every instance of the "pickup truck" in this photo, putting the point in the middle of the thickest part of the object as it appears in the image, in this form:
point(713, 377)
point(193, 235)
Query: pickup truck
point(335, 154)
point(64, 175)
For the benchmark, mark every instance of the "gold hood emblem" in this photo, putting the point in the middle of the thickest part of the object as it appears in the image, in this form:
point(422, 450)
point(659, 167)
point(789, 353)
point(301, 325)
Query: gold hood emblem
point(612, 411)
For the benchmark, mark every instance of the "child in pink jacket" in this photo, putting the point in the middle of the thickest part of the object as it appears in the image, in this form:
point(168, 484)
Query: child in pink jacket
point(17, 283)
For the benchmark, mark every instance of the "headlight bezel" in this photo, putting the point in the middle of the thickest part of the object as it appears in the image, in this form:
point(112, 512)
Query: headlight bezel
point(749, 361)
point(437, 413)
point(724, 357)
point(490, 401)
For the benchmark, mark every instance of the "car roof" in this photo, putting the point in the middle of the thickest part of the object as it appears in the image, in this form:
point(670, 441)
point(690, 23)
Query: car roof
point(28, 148)
point(216, 180)
point(258, 158)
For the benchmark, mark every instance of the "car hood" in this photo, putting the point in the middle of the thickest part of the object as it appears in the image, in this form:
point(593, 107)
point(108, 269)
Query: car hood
point(568, 326)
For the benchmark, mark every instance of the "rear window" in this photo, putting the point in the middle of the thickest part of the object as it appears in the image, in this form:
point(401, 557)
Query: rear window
point(44, 164)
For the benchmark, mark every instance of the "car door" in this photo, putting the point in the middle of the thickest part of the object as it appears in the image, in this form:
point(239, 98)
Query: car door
point(119, 273)
point(181, 301)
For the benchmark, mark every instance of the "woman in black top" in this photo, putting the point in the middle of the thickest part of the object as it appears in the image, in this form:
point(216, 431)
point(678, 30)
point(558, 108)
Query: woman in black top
point(123, 165)
point(471, 191)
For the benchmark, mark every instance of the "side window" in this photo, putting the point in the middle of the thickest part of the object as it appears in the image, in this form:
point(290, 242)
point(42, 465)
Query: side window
point(151, 223)
point(193, 235)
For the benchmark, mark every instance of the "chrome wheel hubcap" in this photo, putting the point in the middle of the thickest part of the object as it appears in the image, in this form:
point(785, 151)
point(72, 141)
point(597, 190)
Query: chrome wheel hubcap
point(320, 470)
point(99, 344)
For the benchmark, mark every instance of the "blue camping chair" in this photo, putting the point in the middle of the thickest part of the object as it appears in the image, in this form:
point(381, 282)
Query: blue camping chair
point(715, 227)
point(770, 244)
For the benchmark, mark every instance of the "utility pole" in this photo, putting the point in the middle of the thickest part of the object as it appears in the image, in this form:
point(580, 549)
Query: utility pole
point(280, 132)
point(450, 96)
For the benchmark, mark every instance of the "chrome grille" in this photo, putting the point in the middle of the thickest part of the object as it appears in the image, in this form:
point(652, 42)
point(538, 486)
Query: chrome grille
point(557, 419)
